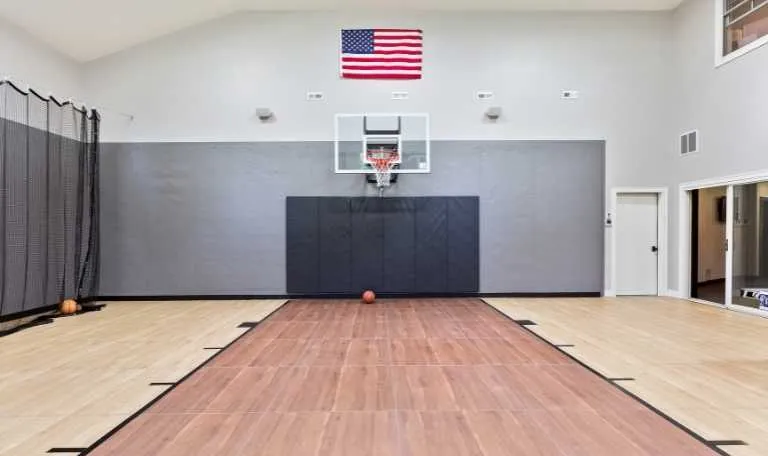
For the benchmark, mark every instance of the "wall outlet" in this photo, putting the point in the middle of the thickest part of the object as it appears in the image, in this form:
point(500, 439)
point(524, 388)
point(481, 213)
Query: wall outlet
point(570, 94)
point(483, 95)
point(315, 96)
point(399, 95)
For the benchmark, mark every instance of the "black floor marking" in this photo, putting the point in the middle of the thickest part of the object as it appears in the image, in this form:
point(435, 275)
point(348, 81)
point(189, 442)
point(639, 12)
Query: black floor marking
point(149, 404)
point(45, 320)
point(621, 379)
point(248, 324)
point(67, 450)
point(728, 442)
point(668, 418)
point(162, 384)
point(525, 322)
point(564, 346)
point(213, 348)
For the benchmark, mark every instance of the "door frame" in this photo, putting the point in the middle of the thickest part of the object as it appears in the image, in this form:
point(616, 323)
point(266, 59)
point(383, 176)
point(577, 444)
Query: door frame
point(662, 216)
point(684, 235)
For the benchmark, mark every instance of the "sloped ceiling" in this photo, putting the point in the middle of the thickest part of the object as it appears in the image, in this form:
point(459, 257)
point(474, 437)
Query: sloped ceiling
point(89, 29)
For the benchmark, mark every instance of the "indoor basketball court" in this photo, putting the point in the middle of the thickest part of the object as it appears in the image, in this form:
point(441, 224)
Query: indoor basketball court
point(275, 228)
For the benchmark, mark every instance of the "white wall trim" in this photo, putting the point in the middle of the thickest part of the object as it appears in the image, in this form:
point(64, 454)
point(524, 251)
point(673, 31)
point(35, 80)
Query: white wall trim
point(663, 216)
point(729, 245)
point(737, 309)
point(721, 59)
point(733, 179)
point(684, 225)
point(670, 293)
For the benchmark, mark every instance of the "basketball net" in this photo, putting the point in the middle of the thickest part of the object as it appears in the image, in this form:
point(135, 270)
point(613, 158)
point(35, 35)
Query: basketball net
point(382, 162)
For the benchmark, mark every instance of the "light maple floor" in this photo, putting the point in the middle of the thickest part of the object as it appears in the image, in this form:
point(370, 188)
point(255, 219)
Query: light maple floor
point(705, 367)
point(68, 383)
point(438, 377)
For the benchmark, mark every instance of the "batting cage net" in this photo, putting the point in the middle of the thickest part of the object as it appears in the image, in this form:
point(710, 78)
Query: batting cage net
point(49, 200)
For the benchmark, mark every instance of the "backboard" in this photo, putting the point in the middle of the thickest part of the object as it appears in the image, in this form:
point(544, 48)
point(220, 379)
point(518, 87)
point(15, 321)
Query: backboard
point(358, 137)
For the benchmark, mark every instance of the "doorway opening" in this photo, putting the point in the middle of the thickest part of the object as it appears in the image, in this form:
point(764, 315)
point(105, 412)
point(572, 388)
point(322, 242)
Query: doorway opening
point(638, 240)
point(724, 242)
point(708, 244)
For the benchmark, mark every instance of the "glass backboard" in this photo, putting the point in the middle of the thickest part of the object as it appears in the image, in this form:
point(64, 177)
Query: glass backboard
point(359, 135)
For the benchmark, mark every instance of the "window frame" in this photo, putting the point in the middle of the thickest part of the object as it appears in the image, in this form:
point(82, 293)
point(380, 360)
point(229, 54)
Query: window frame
point(721, 59)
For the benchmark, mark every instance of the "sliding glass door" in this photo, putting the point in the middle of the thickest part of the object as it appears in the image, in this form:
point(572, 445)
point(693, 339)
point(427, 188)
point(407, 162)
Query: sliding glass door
point(747, 265)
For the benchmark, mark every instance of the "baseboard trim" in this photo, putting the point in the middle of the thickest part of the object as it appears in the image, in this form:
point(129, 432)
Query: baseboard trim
point(671, 293)
point(224, 297)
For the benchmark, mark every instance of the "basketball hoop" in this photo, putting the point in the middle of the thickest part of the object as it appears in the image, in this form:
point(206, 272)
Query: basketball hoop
point(382, 161)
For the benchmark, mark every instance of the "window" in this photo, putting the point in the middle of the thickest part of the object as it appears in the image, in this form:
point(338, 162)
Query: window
point(743, 25)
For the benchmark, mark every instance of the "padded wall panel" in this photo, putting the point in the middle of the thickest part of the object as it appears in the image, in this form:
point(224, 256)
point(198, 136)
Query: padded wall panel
point(335, 239)
point(462, 261)
point(399, 216)
point(303, 235)
point(432, 244)
point(391, 245)
point(367, 231)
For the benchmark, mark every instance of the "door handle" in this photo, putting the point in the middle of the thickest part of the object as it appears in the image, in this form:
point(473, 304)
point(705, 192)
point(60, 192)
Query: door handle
point(654, 249)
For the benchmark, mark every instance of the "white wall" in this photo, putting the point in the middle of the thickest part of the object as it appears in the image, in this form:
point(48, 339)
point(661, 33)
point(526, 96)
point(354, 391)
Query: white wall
point(643, 77)
point(204, 83)
point(28, 62)
point(727, 104)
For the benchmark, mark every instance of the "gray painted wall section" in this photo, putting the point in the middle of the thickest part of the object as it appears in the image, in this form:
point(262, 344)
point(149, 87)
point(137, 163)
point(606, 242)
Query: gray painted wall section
point(209, 218)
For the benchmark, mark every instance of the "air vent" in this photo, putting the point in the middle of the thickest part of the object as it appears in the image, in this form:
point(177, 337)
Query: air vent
point(689, 142)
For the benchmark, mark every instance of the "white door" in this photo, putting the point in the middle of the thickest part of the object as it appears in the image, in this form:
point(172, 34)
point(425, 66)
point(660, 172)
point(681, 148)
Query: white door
point(637, 259)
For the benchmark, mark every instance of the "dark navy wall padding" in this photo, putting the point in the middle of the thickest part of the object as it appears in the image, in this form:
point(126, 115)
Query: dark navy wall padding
point(305, 248)
point(399, 238)
point(367, 244)
point(335, 240)
point(432, 244)
point(463, 262)
point(391, 245)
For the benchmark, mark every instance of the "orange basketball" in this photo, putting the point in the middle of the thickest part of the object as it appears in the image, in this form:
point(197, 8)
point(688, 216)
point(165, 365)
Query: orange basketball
point(68, 307)
point(369, 296)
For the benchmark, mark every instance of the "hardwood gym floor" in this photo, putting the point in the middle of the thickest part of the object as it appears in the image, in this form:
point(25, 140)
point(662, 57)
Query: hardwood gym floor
point(405, 377)
point(68, 383)
point(704, 366)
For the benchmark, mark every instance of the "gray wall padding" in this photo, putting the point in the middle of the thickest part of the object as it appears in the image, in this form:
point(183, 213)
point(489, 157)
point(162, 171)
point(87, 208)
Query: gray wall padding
point(209, 218)
point(343, 245)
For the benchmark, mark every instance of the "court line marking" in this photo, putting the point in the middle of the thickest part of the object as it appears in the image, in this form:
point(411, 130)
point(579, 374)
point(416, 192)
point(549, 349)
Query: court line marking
point(525, 322)
point(149, 404)
point(668, 418)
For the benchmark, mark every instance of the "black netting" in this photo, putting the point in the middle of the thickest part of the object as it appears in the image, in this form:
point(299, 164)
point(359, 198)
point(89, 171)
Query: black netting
point(48, 201)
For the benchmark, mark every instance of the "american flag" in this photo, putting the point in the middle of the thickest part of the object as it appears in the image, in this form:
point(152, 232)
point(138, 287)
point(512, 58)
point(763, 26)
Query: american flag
point(381, 54)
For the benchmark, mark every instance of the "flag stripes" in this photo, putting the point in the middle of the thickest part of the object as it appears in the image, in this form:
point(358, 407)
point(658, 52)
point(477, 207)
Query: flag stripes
point(381, 54)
